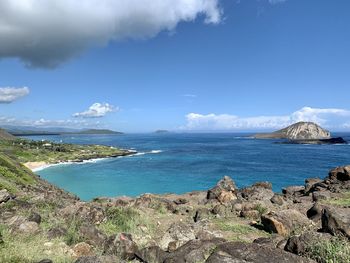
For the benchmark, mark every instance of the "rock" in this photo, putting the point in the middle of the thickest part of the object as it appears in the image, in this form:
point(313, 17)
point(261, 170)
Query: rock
point(98, 259)
point(28, 227)
point(237, 252)
point(92, 235)
point(181, 233)
point(45, 261)
point(340, 173)
point(310, 182)
point(223, 189)
point(275, 241)
point(221, 210)
point(277, 199)
point(89, 213)
point(315, 212)
point(82, 249)
point(257, 192)
point(251, 214)
point(226, 197)
point(153, 254)
point(299, 244)
point(284, 222)
point(318, 196)
point(56, 232)
point(181, 201)
point(336, 221)
point(294, 190)
point(4, 196)
point(193, 251)
point(122, 246)
point(201, 214)
point(34, 217)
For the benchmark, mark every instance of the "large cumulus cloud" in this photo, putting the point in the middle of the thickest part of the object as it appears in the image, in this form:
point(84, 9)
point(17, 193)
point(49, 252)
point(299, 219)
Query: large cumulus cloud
point(45, 33)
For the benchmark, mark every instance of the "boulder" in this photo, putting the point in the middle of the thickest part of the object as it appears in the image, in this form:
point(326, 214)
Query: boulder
point(152, 254)
point(310, 182)
point(251, 214)
point(122, 246)
point(201, 213)
point(181, 201)
point(284, 222)
point(28, 227)
point(4, 196)
point(82, 249)
point(224, 190)
point(257, 192)
point(274, 241)
point(180, 233)
point(92, 235)
point(45, 261)
point(35, 217)
point(315, 212)
point(318, 196)
point(56, 232)
point(277, 199)
point(340, 173)
point(98, 259)
point(336, 221)
point(194, 251)
point(294, 190)
point(299, 245)
point(237, 252)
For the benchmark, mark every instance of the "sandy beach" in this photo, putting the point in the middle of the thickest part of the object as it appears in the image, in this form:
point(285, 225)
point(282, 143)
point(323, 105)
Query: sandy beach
point(34, 166)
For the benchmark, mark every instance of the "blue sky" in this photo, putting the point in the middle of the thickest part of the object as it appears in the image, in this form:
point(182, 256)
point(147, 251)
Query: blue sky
point(190, 66)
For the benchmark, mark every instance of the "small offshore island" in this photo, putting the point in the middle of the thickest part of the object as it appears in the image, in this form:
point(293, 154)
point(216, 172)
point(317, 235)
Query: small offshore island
point(40, 222)
point(302, 133)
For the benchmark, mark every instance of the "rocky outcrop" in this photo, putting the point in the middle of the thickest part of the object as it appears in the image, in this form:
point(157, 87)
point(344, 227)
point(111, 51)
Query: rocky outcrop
point(299, 245)
point(224, 191)
point(243, 252)
point(284, 222)
point(336, 221)
point(298, 131)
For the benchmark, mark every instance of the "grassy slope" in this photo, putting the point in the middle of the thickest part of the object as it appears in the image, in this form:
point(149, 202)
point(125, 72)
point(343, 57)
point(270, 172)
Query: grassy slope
point(34, 151)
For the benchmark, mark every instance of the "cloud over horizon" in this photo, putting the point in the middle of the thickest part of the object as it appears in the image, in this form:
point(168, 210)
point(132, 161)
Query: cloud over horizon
point(48, 33)
point(10, 94)
point(96, 110)
point(329, 118)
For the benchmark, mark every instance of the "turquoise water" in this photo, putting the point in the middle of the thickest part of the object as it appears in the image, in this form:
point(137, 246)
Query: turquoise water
point(185, 162)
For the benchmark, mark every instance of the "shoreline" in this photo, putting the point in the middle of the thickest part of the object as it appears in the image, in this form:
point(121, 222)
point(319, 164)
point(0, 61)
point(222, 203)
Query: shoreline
point(41, 165)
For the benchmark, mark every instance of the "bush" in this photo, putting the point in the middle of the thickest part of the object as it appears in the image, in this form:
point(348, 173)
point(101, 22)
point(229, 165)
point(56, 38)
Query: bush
point(336, 250)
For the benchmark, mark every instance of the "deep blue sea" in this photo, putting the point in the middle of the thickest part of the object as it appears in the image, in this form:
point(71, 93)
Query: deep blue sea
point(180, 163)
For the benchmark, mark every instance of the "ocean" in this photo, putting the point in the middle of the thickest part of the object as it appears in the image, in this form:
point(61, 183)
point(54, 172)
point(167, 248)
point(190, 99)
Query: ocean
point(179, 163)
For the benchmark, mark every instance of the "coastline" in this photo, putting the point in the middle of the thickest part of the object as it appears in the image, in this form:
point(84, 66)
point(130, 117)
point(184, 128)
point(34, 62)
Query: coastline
point(41, 165)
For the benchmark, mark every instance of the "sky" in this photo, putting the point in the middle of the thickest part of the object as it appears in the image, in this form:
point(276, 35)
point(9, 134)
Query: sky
point(185, 65)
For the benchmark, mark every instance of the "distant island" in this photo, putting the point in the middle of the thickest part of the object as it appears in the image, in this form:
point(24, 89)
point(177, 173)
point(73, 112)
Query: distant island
point(161, 131)
point(35, 132)
point(302, 133)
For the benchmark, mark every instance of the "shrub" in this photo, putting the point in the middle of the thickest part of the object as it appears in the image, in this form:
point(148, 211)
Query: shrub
point(335, 250)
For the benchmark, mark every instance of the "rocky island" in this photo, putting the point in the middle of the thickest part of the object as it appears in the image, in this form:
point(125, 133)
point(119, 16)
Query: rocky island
point(42, 223)
point(302, 133)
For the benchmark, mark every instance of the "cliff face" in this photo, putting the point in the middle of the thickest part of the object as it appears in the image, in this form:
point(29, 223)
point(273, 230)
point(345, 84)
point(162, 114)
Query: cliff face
point(298, 131)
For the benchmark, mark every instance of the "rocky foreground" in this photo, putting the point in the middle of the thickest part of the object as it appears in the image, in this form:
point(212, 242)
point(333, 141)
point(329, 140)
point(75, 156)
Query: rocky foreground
point(309, 223)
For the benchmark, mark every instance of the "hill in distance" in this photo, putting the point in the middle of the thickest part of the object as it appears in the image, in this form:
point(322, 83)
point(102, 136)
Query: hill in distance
point(298, 131)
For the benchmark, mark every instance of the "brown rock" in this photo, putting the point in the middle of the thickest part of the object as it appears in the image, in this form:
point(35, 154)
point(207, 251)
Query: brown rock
point(82, 249)
point(225, 185)
point(340, 173)
point(284, 222)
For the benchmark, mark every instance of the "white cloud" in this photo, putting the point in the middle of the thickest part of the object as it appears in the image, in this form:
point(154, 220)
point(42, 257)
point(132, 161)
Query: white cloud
point(9, 94)
point(329, 118)
point(190, 96)
point(47, 33)
point(96, 110)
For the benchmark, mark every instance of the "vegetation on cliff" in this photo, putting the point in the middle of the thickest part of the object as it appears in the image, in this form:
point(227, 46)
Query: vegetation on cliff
point(40, 221)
